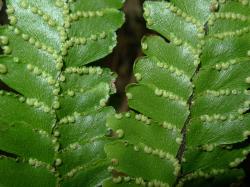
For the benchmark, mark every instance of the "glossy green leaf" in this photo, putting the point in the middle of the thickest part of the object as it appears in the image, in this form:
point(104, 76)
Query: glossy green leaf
point(52, 121)
point(194, 78)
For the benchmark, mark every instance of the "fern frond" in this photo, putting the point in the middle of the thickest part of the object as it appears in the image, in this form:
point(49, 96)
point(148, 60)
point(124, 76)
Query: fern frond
point(52, 128)
point(192, 98)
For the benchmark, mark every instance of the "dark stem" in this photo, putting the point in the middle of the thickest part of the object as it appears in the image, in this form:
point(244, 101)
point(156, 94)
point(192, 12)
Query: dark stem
point(184, 129)
point(182, 148)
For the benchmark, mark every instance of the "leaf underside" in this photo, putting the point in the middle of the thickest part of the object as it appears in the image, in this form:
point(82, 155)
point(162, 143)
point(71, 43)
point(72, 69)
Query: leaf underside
point(191, 98)
point(52, 127)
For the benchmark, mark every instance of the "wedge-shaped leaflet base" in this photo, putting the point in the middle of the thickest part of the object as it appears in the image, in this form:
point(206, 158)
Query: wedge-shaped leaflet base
point(191, 98)
point(52, 123)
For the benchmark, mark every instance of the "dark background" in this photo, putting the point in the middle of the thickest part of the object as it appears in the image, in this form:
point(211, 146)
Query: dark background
point(123, 57)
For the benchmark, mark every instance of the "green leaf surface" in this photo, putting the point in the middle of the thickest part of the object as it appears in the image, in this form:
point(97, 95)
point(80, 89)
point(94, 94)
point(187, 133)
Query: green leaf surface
point(148, 166)
point(194, 78)
point(24, 174)
point(156, 107)
point(207, 161)
point(90, 5)
point(52, 119)
point(225, 178)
